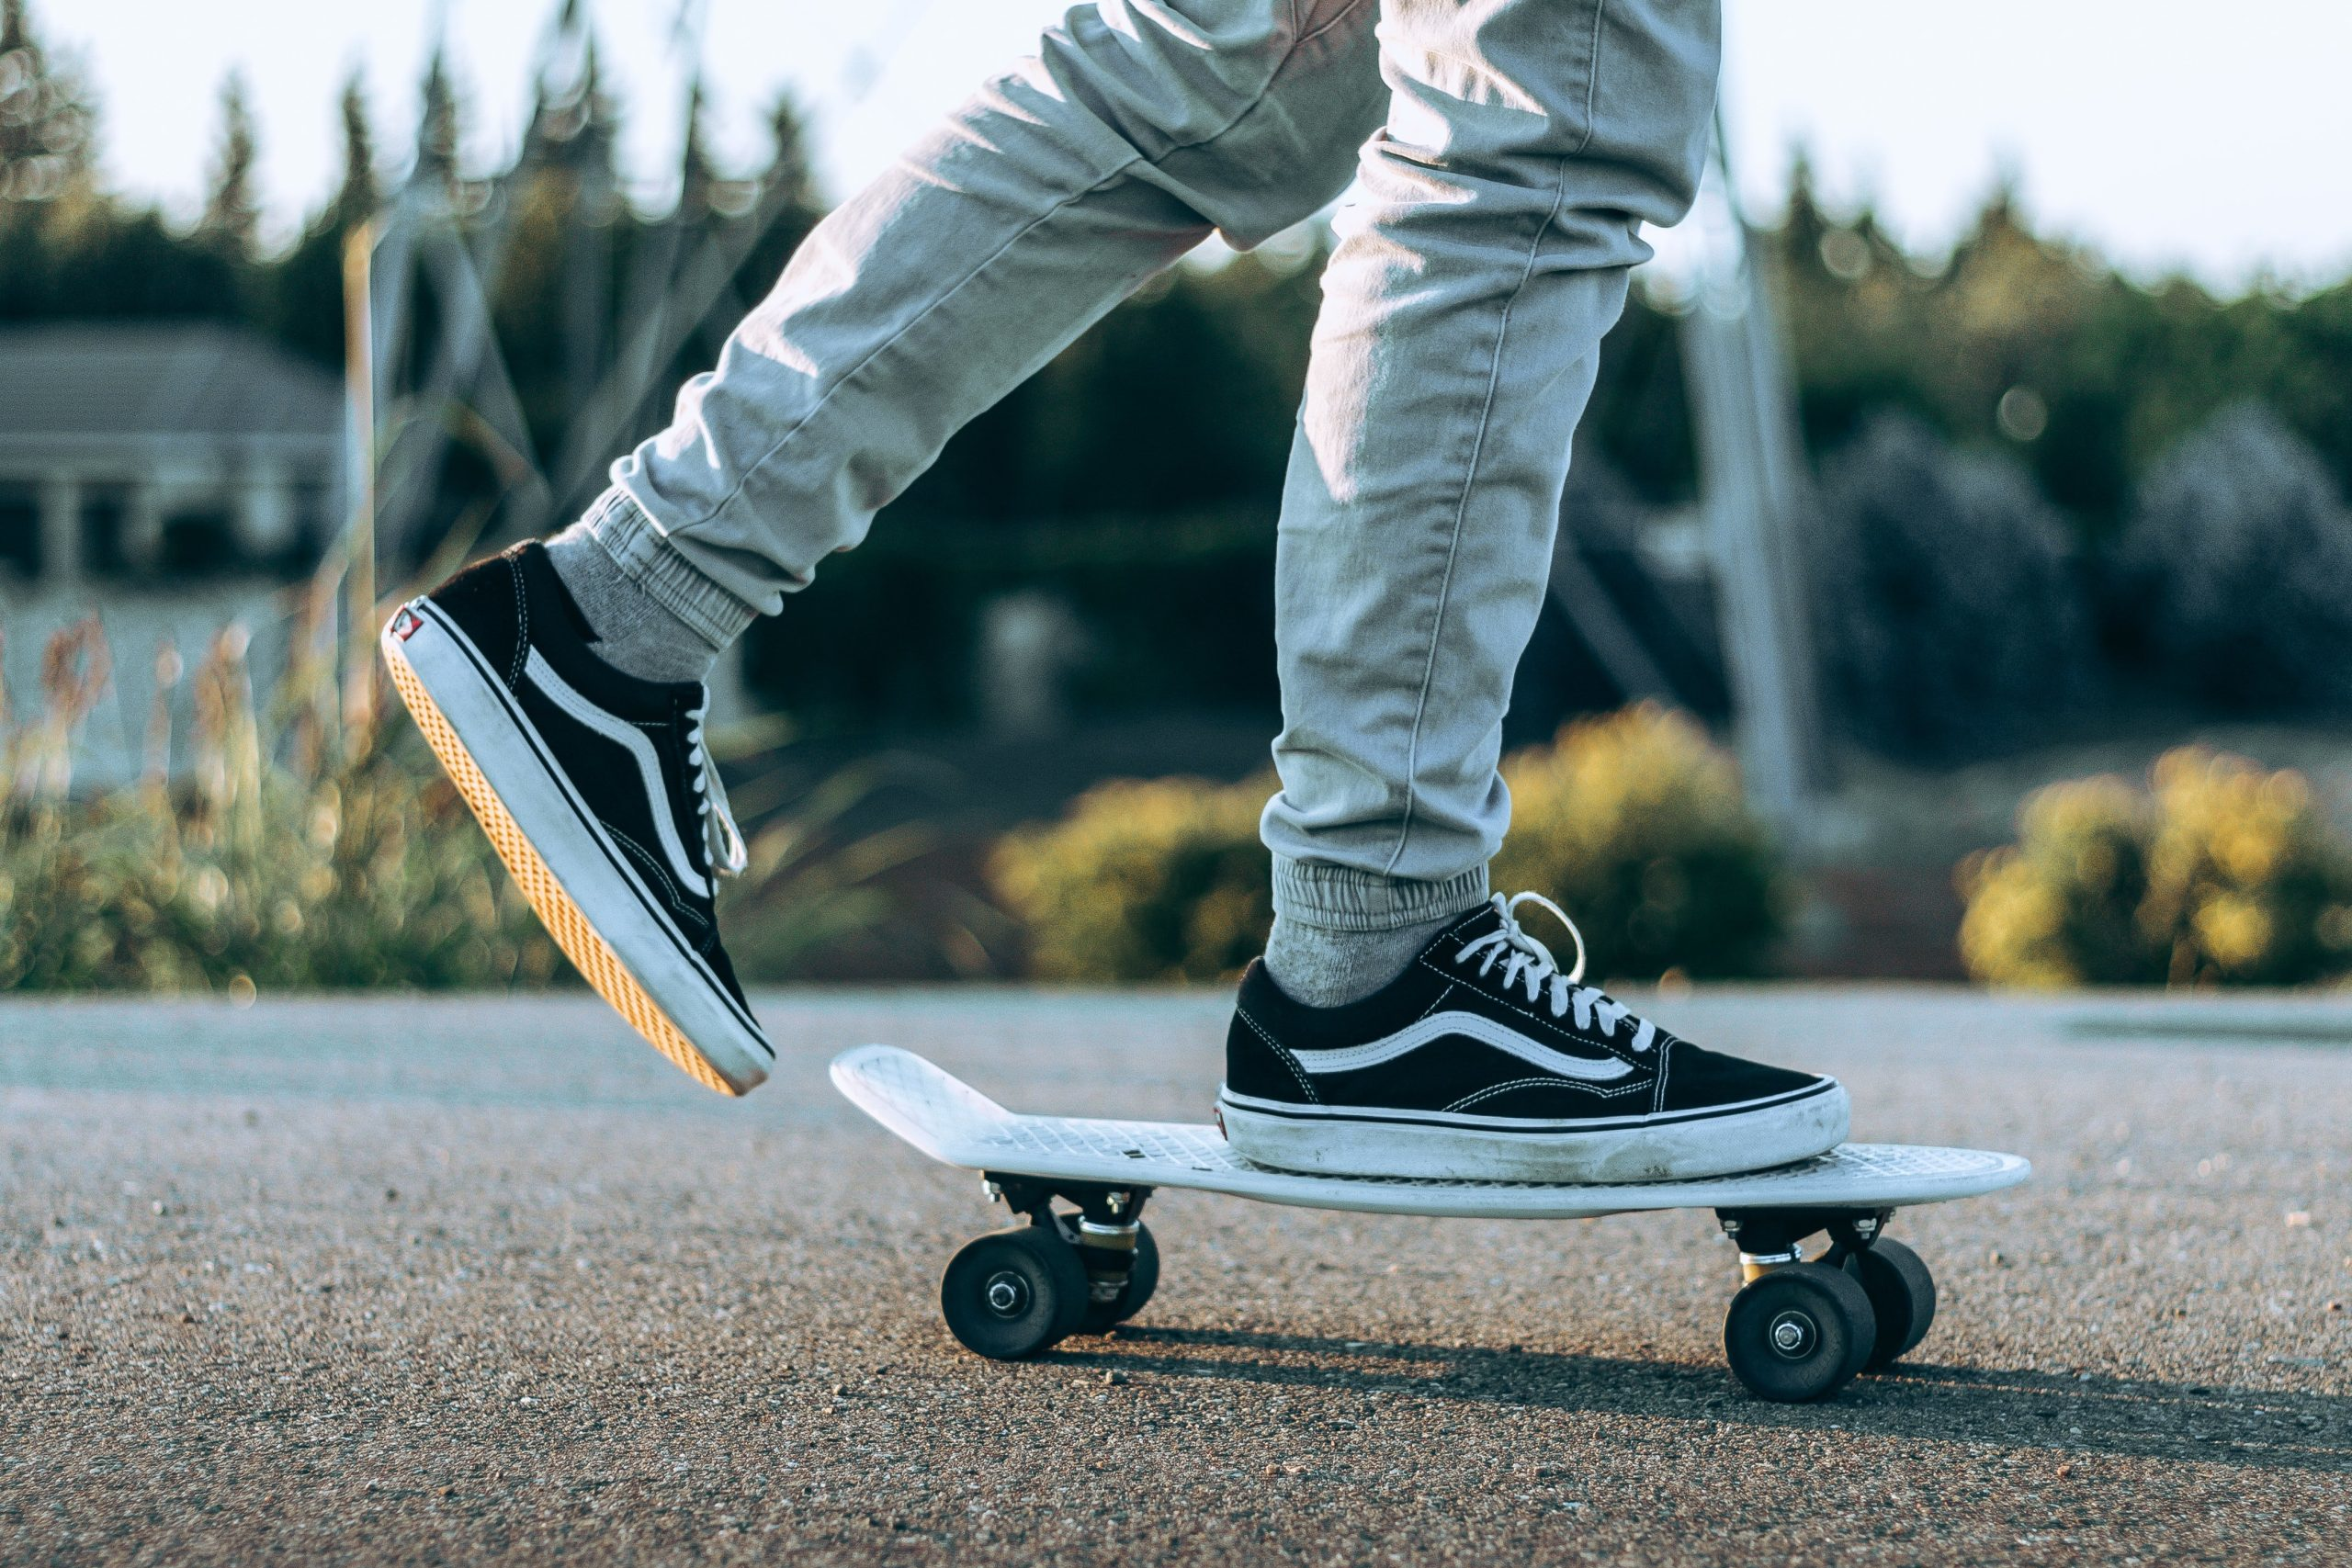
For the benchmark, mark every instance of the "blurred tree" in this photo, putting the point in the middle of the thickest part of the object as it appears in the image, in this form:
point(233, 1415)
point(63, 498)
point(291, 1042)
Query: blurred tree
point(440, 127)
point(48, 122)
point(231, 208)
point(1138, 475)
point(2236, 572)
point(2037, 347)
point(302, 304)
point(357, 193)
point(788, 173)
point(1950, 613)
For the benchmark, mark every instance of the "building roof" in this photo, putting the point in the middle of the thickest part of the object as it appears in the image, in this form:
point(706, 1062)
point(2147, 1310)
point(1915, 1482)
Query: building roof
point(84, 379)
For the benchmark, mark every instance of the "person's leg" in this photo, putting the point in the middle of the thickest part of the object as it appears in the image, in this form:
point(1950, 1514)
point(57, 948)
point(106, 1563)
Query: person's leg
point(1140, 127)
point(560, 686)
point(1499, 211)
point(1402, 1027)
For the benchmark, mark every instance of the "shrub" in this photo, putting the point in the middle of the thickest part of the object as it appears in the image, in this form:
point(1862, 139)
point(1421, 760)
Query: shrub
point(2220, 875)
point(1634, 822)
point(1150, 880)
point(2237, 567)
point(1949, 607)
point(1635, 825)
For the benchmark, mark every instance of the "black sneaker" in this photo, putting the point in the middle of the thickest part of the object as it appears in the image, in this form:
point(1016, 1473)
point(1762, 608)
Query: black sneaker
point(595, 787)
point(1484, 1062)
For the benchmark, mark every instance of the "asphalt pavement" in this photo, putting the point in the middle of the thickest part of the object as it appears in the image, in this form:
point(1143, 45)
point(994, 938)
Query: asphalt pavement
point(468, 1279)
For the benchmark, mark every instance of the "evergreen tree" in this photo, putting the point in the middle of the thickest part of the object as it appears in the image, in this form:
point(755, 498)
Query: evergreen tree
point(438, 129)
point(788, 177)
point(355, 199)
point(697, 178)
point(48, 124)
point(233, 209)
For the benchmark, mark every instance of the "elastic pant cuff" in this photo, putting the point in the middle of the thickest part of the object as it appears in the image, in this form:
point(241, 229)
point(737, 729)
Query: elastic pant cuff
point(1342, 898)
point(645, 555)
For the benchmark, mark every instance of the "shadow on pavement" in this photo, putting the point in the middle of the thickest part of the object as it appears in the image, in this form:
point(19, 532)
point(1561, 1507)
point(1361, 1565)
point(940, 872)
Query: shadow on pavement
point(2078, 1414)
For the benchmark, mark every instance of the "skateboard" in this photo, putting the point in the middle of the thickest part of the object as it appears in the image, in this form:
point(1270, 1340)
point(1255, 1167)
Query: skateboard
point(1799, 1328)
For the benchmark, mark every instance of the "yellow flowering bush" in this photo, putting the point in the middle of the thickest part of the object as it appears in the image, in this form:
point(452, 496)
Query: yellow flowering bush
point(1634, 822)
point(1142, 879)
point(2218, 874)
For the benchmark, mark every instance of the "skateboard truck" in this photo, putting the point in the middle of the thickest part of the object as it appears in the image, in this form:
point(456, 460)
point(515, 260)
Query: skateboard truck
point(1798, 1329)
point(1061, 1274)
point(1773, 1238)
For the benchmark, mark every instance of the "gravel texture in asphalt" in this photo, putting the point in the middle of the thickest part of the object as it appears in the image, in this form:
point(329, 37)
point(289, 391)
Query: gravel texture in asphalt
point(464, 1280)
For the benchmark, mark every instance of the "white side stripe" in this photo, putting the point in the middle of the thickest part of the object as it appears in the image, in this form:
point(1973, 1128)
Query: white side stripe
point(628, 737)
point(1479, 1027)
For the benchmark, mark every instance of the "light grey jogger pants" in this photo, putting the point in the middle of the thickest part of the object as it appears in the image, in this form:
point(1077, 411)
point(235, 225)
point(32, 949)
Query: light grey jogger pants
point(1507, 153)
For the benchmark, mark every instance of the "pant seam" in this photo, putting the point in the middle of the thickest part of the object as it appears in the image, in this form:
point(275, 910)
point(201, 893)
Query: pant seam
point(1469, 483)
point(1135, 159)
point(1591, 82)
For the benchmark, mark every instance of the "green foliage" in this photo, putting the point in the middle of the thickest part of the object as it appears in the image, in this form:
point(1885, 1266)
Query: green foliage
point(2119, 374)
point(325, 858)
point(2221, 874)
point(1150, 880)
point(1634, 822)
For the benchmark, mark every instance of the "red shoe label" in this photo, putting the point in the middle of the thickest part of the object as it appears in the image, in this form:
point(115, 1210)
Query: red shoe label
point(406, 624)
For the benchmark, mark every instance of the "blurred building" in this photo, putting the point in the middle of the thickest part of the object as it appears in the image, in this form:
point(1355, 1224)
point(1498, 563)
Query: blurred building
point(169, 478)
point(129, 453)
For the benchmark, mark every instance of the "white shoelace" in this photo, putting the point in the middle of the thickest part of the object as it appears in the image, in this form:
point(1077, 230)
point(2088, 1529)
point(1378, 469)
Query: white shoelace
point(720, 837)
point(1524, 958)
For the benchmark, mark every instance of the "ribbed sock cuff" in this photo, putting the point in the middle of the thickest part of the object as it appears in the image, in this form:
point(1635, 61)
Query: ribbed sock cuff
point(644, 554)
point(1342, 898)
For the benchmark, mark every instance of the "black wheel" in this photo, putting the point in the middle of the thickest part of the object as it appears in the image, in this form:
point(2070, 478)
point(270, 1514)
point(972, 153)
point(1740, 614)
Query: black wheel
point(1799, 1333)
point(1143, 1278)
point(1902, 1297)
point(1013, 1292)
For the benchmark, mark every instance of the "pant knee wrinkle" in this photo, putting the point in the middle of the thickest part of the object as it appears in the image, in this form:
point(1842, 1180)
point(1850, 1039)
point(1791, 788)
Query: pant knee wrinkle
point(1255, 101)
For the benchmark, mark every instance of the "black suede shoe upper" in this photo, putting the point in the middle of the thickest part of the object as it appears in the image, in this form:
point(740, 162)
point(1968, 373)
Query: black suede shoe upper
point(1463, 1034)
point(630, 748)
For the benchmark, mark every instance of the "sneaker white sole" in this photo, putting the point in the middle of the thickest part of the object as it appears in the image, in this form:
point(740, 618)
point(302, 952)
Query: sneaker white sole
point(1343, 1141)
point(562, 860)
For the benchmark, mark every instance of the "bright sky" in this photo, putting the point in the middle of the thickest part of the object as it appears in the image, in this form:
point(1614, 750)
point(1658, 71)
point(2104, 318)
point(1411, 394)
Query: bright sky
point(2169, 134)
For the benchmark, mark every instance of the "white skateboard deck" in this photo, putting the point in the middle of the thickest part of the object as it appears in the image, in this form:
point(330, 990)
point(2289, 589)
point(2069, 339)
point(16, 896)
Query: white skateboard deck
point(955, 1123)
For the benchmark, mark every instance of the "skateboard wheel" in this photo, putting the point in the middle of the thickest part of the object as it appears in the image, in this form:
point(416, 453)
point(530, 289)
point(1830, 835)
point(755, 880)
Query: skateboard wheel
point(1143, 1278)
point(1903, 1298)
point(1799, 1333)
point(1013, 1292)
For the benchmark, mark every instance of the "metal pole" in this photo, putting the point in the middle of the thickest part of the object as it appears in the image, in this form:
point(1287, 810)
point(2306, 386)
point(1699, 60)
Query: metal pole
point(1753, 478)
point(359, 537)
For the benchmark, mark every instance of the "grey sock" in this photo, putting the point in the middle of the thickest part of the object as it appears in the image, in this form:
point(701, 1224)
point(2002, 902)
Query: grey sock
point(1327, 968)
point(635, 633)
